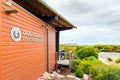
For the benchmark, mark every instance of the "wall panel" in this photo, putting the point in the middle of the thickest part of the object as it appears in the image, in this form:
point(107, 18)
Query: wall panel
point(52, 48)
point(25, 59)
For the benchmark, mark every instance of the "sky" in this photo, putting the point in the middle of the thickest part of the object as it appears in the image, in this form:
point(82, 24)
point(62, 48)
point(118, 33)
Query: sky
point(97, 21)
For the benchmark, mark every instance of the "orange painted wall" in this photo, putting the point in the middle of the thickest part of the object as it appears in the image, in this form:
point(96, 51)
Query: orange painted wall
point(52, 49)
point(0, 40)
point(23, 60)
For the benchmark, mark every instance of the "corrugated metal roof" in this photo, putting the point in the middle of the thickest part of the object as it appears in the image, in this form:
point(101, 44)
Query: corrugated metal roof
point(40, 9)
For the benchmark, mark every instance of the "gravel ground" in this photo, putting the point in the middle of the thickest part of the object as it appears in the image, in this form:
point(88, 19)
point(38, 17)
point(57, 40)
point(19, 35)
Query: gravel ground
point(104, 55)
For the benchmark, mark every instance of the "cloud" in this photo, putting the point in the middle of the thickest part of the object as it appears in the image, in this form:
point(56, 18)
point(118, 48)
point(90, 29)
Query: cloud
point(98, 21)
point(89, 36)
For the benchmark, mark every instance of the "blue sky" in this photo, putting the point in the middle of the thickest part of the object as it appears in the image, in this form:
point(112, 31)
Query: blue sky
point(97, 21)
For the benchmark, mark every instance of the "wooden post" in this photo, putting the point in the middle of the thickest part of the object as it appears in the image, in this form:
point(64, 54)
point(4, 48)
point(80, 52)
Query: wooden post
point(56, 60)
point(71, 58)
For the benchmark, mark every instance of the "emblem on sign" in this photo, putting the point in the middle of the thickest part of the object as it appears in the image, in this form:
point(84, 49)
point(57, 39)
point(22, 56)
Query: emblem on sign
point(16, 34)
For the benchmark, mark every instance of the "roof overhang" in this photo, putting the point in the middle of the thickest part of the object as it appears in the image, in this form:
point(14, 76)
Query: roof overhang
point(44, 12)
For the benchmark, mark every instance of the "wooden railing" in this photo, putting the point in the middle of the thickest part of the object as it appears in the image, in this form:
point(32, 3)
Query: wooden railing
point(61, 59)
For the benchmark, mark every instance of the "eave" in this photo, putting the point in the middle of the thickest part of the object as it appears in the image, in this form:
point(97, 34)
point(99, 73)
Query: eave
point(41, 10)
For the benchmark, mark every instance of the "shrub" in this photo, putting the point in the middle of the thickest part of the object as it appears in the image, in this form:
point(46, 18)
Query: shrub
point(87, 63)
point(105, 72)
point(79, 48)
point(75, 64)
point(86, 66)
point(109, 59)
point(117, 60)
point(96, 71)
point(90, 58)
point(73, 68)
point(79, 73)
point(86, 52)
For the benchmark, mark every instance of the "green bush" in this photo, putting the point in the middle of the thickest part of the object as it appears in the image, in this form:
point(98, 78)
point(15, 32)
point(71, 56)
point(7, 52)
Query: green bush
point(78, 48)
point(73, 68)
point(75, 64)
point(117, 60)
point(105, 72)
point(79, 73)
point(87, 64)
point(109, 59)
point(105, 48)
point(86, 52)
point(90, 58)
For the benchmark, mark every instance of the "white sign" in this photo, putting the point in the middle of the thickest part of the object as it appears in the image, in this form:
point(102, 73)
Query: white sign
point(16, 34)
point(27, 36)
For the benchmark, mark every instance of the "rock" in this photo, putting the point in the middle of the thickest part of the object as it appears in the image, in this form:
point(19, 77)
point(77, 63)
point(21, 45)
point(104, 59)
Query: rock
point(52, 75)
point(58, 71)
point(86, 77)
point(57, 75)
point(46, 76)
point(72, 77)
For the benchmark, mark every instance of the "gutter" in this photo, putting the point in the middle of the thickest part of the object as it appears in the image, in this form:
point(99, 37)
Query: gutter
point(47, 48)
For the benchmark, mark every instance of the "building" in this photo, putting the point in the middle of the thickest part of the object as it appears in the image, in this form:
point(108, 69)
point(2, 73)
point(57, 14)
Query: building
point(29, 38)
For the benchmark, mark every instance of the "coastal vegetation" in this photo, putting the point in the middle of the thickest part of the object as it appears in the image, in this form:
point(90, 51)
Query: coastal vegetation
point(86, 61)
point(98, 47)
point(117, 60)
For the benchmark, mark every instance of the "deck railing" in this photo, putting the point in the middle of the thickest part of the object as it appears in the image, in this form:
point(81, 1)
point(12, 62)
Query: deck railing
point(61, 59)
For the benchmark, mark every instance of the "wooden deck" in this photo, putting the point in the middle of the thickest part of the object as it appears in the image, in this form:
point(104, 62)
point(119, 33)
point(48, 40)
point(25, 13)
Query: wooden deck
point(63, 62)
